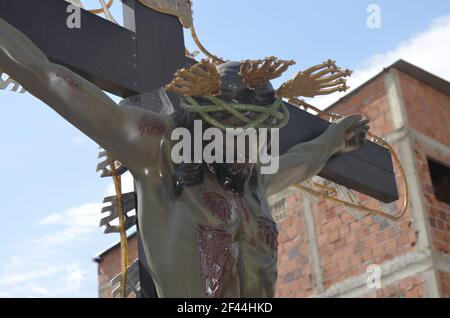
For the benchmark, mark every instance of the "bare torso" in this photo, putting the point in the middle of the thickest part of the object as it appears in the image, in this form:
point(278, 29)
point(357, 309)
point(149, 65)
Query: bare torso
point(209, 242)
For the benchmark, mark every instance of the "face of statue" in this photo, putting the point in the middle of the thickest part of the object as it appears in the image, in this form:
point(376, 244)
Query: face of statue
point(235, 90)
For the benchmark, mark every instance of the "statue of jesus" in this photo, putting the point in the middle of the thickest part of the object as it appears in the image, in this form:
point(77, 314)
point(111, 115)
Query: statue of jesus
point(207, 229)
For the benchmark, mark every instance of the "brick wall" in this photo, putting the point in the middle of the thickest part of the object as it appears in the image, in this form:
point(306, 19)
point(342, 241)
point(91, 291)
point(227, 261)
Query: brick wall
point(411, 287)
point(295, 274)
point(428, 113)
point(346, 245)
point(428, 110)
point(445, 283)
point(438, 212)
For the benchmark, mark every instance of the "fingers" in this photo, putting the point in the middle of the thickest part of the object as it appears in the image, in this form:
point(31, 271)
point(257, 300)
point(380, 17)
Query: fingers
point(356, 117)
point(265, 64)
point(178, 90)
point(185, 74)
point(276, 66)
point(361, 134)
point(360, 123)
point(325, 66)
point(356, 138)
point(357, 126)
point(284, 66)
point(337, 75)
point(329, 91)
point(324, 72)
point(350, 121)
point(201, 79)
point(257, 72)
point(199, 70)
point(338, 82)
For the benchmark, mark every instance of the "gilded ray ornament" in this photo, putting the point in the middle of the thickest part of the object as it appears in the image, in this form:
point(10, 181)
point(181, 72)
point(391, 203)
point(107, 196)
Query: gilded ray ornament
point(322, 79)
point(178, 8)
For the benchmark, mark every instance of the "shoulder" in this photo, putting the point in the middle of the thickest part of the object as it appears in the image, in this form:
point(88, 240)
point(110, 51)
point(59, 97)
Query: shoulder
point(147, 136)
point(144, 124)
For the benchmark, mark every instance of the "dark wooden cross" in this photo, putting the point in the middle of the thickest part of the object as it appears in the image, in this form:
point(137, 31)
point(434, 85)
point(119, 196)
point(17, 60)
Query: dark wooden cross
point(143, 55)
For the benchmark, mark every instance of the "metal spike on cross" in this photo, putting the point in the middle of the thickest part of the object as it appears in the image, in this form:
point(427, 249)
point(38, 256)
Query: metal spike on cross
point(128, 199)
point(104, 9)
point(6, 81)
point(128, 203)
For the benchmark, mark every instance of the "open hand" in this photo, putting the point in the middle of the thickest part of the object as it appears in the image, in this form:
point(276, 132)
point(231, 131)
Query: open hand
point(349, 133)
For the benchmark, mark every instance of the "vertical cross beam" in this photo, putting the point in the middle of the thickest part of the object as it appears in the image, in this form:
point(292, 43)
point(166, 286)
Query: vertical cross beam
point(159, 45)
point(160, 52)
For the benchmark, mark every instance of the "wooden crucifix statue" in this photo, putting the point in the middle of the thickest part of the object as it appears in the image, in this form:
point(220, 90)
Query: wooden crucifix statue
point(206, 228)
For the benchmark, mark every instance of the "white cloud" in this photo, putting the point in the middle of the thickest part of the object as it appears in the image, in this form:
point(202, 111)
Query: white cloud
point(44, 281)
point(23, 277)
point(43, 268)
point(52, 219)
point(79, 139)
point(429, 50)
point(73, 279)
point(31, 274)
point(32, 289)
point(76, 222)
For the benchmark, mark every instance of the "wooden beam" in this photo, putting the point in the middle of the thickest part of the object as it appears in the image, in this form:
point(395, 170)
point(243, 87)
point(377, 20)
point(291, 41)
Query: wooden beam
point(368, 170)
point(93, 51)
point(159, 45)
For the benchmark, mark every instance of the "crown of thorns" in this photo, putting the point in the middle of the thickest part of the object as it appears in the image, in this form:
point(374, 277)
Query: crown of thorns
point(203, 80)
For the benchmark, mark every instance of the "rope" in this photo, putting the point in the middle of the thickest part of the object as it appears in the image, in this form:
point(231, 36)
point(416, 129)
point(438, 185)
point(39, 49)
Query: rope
point(214, 58)
point(376, 139)
point(101, 10)
point(191, 105)
point(123, 233)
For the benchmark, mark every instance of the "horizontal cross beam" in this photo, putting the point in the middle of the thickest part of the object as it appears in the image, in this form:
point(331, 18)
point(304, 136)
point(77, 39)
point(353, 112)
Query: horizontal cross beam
point(143, 57)
point(368, 170)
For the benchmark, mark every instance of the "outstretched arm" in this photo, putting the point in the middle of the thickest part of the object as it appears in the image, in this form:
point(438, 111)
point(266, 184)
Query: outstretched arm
point(305, 160)
point(119, 130)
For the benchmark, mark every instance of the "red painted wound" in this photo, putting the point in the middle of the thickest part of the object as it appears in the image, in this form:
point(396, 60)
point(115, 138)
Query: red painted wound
point(218, 205)
point(151, 126)
point(268, 232)
point(69, 79)
point(215, 259)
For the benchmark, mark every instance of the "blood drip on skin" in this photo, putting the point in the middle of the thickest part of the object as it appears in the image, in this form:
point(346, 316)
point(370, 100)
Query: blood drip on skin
point(215, 259)
point(268, 232)
point(151, 126)
point(217, 205)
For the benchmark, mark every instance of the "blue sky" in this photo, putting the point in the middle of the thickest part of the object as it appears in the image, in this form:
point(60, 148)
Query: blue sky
point(50, 192)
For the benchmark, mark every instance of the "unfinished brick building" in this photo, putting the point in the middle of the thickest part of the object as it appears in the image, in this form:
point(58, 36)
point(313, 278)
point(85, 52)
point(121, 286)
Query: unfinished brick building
point(324, 251)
